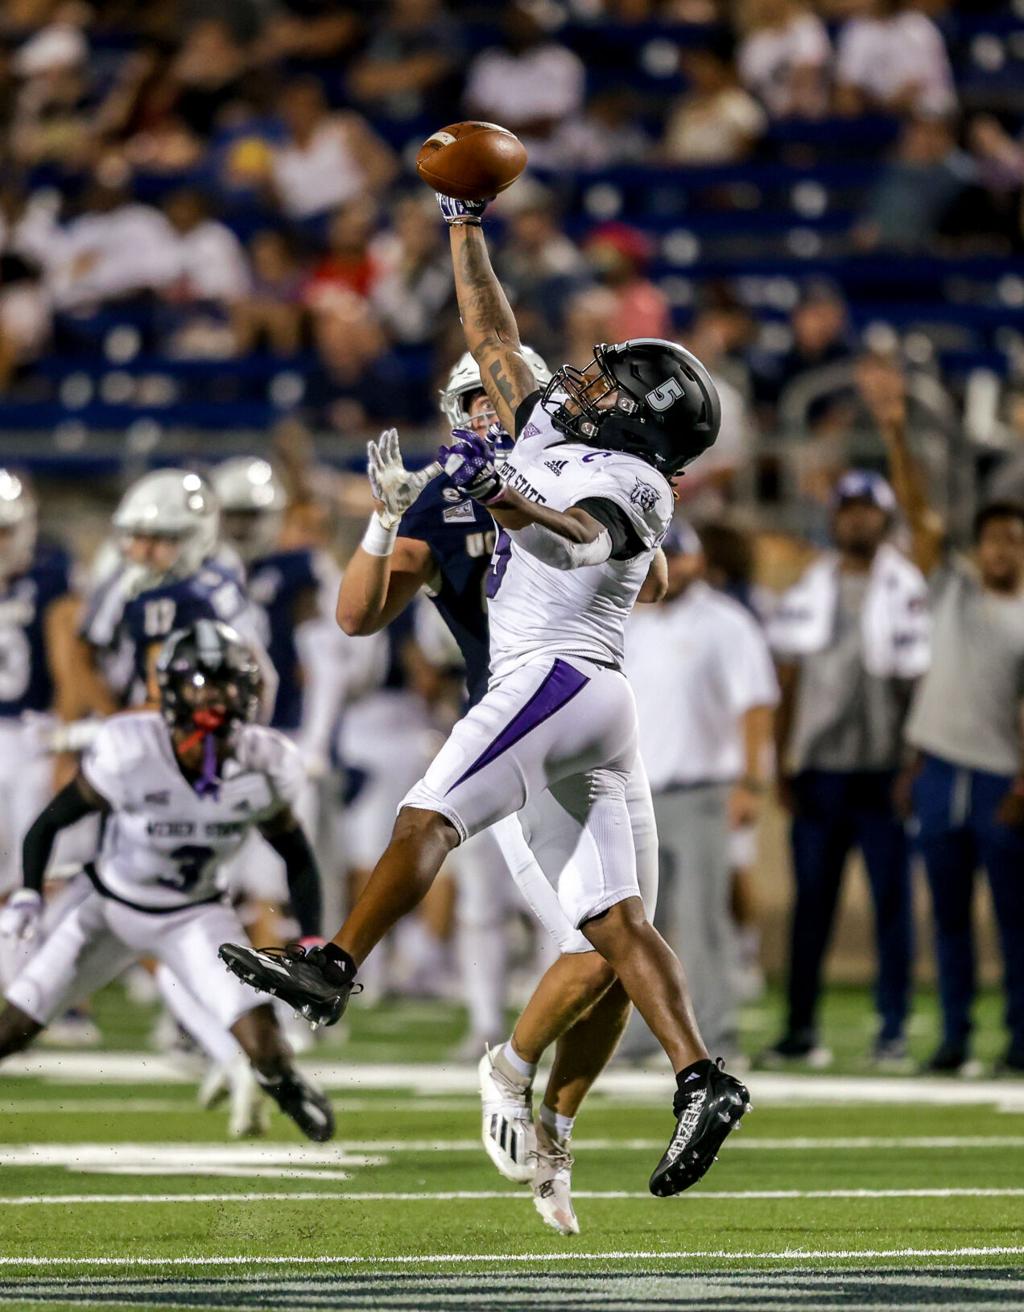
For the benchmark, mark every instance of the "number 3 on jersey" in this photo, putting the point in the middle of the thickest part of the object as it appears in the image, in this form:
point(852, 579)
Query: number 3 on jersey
point(499, 563)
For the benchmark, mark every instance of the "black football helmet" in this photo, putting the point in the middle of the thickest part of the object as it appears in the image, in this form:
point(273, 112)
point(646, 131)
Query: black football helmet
point(665, 408)
point(208, 679)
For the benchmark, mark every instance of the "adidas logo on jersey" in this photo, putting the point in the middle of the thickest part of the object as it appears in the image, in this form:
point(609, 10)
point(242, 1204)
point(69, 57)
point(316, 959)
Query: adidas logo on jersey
point(556, 466)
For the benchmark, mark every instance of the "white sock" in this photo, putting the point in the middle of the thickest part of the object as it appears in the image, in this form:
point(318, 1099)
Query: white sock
point(526, 1070)
point(558, 1126)
point(190, 1013)
point(483, 953)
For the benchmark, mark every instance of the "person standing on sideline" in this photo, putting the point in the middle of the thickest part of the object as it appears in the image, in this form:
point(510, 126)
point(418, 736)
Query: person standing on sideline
point(850, 638)
point(705, 691)
point(965, 724)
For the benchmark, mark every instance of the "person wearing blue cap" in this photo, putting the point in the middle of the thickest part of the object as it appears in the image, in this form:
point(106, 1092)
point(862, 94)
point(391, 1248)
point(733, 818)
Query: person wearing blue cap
point(850, 638)
point(967, 781)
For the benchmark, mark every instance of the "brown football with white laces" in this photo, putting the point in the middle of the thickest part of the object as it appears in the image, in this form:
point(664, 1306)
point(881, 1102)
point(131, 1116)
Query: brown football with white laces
point(471, 161)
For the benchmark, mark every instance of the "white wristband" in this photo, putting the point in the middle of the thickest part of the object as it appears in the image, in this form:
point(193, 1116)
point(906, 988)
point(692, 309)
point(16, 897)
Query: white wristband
point(378, 540)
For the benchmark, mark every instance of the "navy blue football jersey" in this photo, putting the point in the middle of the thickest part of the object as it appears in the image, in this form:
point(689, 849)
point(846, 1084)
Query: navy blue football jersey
point(213, 592)
point(276, 583)
point(461, 536)
point(25, 682)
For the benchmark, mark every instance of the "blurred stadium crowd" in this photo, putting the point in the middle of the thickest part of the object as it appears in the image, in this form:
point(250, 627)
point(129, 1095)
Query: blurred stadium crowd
point(213, 243)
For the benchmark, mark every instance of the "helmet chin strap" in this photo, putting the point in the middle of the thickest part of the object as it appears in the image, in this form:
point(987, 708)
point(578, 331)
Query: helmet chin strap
point(207, 722)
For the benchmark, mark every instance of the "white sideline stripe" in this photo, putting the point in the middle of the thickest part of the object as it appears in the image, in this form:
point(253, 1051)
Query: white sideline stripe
point(768, 1087)
point(481, 1195)
point(568, 1256)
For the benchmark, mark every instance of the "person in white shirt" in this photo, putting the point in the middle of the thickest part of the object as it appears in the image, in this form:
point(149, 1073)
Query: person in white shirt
point(211, 262)
point(892, 57)
point(705, 691)
point(784, 57)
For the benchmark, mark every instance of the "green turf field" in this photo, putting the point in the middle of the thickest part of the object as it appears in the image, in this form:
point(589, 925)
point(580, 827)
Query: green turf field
point(840, 1190)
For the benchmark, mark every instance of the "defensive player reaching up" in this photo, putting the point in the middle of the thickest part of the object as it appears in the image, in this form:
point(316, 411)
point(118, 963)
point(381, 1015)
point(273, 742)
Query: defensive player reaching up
point(583, 502)
point(179, 789)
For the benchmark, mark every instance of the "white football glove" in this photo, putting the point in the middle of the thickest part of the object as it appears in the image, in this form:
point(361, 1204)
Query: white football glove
point(21, 915)
point(394, 486)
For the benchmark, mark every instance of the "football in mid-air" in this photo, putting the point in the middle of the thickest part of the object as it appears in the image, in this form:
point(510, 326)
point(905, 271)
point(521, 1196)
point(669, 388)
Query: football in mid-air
point(471, 161)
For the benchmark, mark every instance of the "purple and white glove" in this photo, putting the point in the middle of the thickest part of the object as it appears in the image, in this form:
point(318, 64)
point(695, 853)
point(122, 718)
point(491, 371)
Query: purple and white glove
point(461, 211)
point(470, 465)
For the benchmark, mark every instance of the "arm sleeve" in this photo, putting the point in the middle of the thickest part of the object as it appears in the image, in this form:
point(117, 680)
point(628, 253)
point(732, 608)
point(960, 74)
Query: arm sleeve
point(293, 847)
point(69, 806)
point(626, 542)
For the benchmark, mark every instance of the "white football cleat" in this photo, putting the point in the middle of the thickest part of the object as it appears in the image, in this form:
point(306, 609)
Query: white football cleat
point(250, 1115)
point(552, 1183)
point(215, 1086)
point(507, 1132)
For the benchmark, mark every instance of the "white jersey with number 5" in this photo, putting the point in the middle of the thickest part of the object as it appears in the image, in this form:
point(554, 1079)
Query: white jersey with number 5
point(164, 845)
point(535, 609)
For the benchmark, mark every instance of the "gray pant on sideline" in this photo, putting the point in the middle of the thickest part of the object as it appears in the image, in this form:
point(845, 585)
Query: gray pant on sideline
point(693, 911)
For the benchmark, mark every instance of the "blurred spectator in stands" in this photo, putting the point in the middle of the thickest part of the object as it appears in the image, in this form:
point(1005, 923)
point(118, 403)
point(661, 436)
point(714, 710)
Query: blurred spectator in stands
point(918, 189)
point(117, 248)
point(414, 276)
point(327, 158)
point(409, 68)
point(998, 160)
point(850, 637)
point(967, 782)
point(589, 318)
point(605, 134)
point(28, 223)
point(212, 264)
point(272, 315)
point(348, 262)
point(784, 57)
point(891, 58)
point(55, 101)
point(530, 84)
point(820, 339)
point(619, 255)
point(206, 74)
point(708, 484)
point(314, 30)
point(24, 315)
point(716, 121)
point(538, 265)
point(1006, 481)
point(359, 381)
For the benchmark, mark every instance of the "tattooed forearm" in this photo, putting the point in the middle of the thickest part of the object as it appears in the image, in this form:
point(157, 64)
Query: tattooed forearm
point(489, 324)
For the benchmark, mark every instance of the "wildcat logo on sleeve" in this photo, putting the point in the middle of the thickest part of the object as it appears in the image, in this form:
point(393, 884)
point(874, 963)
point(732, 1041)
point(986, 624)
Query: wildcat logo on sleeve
point(644, 496)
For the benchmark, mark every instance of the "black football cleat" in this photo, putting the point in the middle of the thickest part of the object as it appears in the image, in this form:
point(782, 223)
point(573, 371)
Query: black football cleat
point(311, 982)
point(303, 1103)
point(707, 1106)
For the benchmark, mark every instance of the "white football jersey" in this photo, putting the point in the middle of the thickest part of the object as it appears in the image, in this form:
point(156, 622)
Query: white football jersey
point(164, 845)
point(535, 609)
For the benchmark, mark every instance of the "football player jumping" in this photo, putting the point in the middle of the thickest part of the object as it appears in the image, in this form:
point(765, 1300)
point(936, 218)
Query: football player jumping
point(583, 501)
point(445, 546)
point(179, 789)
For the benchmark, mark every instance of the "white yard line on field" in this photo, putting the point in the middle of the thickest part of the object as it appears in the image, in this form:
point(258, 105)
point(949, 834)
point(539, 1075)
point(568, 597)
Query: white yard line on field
point(482, 1195)
point(568, 1257)
point(768, 1088)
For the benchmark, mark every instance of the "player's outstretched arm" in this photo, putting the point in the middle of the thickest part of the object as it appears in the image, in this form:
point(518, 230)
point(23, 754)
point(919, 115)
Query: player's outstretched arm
point(287, 837)
point(487, 319)
point(75, 801)
point(386, 571)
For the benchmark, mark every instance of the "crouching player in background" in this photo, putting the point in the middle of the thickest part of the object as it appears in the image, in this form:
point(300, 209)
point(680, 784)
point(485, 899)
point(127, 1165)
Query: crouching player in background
point(178, 789)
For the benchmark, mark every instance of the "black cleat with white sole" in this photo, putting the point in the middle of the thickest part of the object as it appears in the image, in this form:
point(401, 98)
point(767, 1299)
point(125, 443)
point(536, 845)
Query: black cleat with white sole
point(708, 1105)
point(315, 984)
point(303, 1102)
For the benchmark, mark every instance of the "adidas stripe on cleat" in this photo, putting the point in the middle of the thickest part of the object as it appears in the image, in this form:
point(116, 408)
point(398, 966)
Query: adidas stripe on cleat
point(507, 1130)
point(708, 1106)
point(312, 983)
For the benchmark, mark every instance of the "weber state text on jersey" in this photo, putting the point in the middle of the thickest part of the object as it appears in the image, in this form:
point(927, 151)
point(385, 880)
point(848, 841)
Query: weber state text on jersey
point(461, 536)
point(25, 682)
point(278, 583)
point(535, 609)
point(164, 845)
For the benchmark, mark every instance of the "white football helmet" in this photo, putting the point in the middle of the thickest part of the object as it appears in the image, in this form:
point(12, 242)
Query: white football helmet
point(17, 525)
point(169, 503)
point(465, 379)
point(252, 503)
